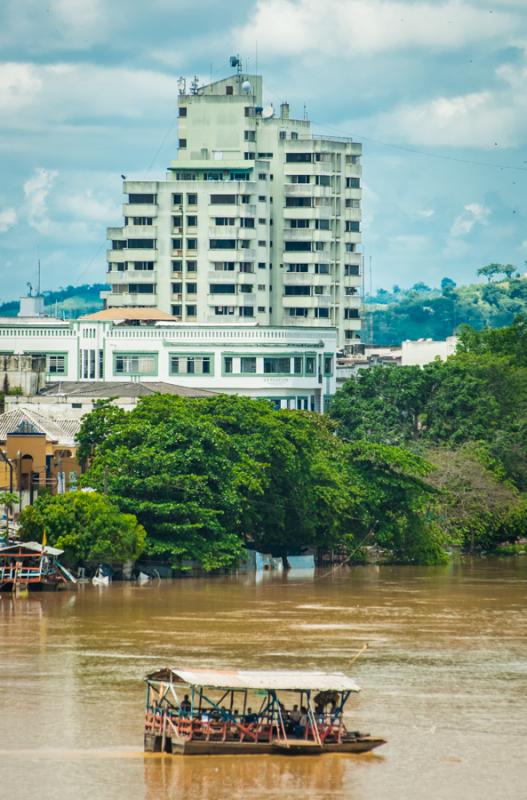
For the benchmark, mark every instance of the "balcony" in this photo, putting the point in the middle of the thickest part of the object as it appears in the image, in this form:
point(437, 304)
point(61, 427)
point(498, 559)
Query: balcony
point(117, 256)
point(240, 299)
point(308, 190)
point(139, 210)
point(313, 301)
point(127, 299)
point(133, 276)
point(306, 279)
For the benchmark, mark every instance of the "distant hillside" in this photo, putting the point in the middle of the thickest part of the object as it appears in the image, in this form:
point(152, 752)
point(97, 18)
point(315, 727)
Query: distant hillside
point(69, 302)
point(424, 312)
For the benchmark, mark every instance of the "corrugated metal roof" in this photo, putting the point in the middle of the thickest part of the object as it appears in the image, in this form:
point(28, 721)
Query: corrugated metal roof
point(62, 431)
point(108, 389)
point(51, 551)
point(278, 680)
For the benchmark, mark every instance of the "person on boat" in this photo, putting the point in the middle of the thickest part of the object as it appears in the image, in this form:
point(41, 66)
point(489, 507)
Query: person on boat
point(250, 718)
point(185, 706)
point(301, 727)
point(295, 714)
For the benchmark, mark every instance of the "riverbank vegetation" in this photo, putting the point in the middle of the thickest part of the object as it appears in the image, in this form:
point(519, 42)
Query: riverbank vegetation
point(467, 418)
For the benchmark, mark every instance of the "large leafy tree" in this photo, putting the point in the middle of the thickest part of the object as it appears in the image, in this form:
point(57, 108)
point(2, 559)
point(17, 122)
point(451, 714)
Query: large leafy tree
point(86, 525)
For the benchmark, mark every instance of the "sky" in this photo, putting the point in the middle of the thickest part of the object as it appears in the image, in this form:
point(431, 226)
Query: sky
point(436, 90)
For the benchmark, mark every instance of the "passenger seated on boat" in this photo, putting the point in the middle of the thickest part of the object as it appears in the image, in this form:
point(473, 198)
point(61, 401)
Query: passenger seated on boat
point(250, 718)
point(323, 699)
point(295, 714)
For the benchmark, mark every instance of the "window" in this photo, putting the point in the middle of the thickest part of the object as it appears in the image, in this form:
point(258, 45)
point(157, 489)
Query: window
point(182, 143)
point(227, 365)
point(177, 199)
point(297, 291)
point(142, 288)
point(277, 365)
point(352, 183)
point(322, 224)
point(322, 313)
point(177, 287)
point(310, 365)
point(191, 311)
point(351, 313)
point(229, 90)
point(350, 203)
point(118, 244)
point(297, 365)
point(261, 243)
point(135, 364)
point(177, 244)
point(261, 287)
point(191, 266)
point(319, 246)
point(192, 244)
point(352, 226)
point(298, 247)
point(298, 312)
point(261, 265)
point(262, 176)
point(192, 220)
point(299, 202)
point(142, 198)
point(249, 136)
point(191, 288)
point(224, 266)
point(222, 199)
point(294, 135)
point(224, 220)
point(282, 135)
point(246, 288)
point(247, 222)
point(261, 309)
point(190, 365)
point(177, 266)
point(262, 198)
point(298, 158)
point(265, 155)
point(142, 220)
point(224, 310)
point(222, 244)
point(176, 311)
point(245, 198)
point(247, 267)
point(192, 199)
point(248, 365)
point(298, 268)
point(322, 269)
point(249, 111)
point(222, 288)
point(183, 111)
point(143, 265)
point(299, 223)
point(249, 156)
point(56, 364)
point(246, 311)
point(328, 365)
point(322, 180)
point(350, 247)
point(262, 221)
point(299, 178)
point(350, 290)
point(177, 221)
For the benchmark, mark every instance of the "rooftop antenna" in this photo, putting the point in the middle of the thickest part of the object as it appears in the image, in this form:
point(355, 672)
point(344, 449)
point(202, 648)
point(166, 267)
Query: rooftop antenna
point(182, 85)
point(38, 279)
point(29, 289)
point(194, 86)
point(305, 112)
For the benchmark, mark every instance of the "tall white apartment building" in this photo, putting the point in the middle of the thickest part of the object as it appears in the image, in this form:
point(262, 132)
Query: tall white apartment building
point(257, 220)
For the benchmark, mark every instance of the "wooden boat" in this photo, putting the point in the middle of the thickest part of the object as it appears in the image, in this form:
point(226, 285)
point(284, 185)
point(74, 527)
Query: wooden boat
point(32, 566)
point(210, 712)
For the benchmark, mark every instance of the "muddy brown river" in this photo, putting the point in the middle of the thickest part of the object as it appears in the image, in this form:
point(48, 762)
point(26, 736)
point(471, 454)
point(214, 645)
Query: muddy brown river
point(444, 681)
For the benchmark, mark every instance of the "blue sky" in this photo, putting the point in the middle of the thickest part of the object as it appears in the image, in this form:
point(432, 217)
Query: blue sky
point(435, 89)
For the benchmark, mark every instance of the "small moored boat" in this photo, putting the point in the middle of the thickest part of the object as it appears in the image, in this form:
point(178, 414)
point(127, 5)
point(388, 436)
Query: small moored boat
point(210, 712)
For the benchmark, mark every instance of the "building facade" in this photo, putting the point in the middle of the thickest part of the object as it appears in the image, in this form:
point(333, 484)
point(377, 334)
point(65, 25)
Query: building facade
point(258, 220)
point(293, 367)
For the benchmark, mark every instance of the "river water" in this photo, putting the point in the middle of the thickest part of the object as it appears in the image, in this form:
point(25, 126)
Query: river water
point(444, 681)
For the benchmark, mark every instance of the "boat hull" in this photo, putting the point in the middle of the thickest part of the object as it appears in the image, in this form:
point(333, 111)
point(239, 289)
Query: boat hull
point(182, 746)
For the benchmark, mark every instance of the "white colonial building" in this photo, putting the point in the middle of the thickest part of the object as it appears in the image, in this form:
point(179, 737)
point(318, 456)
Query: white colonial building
point(258, 220)
point(293, 367)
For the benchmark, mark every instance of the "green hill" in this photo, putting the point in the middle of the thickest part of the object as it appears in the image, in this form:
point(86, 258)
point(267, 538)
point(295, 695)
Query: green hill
point(69, 302)
point(424, 312)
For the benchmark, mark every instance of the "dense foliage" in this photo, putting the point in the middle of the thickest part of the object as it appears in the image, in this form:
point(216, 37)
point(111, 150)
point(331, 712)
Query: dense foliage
point(207, 477)
point(468, 416)
point(86, 525)
point(424, 312)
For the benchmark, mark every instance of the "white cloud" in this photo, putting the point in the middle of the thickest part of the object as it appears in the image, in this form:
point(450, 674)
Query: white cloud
point(88, 205)
point(8, 218)
point(55, 25)
point(427, 213)
point(36, 191)
point(341, 29)
point(473, 214)
point(34, 95)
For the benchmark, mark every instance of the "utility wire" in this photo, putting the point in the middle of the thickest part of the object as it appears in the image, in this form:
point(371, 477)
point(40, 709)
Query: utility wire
point(428, 154)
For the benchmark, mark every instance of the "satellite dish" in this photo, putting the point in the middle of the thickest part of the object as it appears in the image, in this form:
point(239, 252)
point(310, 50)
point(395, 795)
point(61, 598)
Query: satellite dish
point(246, 87)
point(268, 112)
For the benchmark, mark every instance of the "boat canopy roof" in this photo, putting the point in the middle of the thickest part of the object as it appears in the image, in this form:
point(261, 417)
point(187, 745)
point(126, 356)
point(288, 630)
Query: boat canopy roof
point(277, 680)
point(35, 546)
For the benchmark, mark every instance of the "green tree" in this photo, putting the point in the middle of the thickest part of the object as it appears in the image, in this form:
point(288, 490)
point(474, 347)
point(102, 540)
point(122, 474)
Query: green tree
point(8, 500)
point(96, 426)
point(86, 525)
